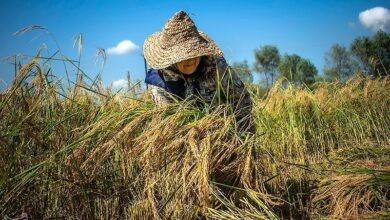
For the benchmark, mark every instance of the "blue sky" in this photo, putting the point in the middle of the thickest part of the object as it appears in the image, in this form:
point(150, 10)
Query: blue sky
point(307, 28)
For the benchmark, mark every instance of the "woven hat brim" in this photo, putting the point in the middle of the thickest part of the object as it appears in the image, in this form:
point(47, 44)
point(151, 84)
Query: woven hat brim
point(159, 57)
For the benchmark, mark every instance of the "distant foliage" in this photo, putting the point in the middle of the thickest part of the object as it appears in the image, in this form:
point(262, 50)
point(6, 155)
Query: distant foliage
point(307, 72)
point(288, 66)
point(297, 69)
point(266, 62)
point(366, 55)
point(339, 64)
point(243, 71)
point(373, 53)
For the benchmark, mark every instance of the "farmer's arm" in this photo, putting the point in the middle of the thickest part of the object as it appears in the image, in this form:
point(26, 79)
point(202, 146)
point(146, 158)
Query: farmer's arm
point(235, 92)
point(160, 96)
point(156, 85)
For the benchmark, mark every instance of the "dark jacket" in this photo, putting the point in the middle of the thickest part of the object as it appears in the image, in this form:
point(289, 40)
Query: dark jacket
point(201, 87)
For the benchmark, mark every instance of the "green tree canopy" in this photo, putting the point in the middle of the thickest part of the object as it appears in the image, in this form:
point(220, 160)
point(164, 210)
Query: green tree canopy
point(307, 72)
point(373, 53)
point(288, 66)
point(297, 70)
point(243, 71)
point(266, 61)
point(338, 63)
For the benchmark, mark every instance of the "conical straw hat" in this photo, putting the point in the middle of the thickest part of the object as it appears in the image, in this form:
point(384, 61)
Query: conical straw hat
point(179, 40)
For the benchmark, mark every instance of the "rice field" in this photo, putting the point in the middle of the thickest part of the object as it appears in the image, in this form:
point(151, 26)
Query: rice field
point(87, 152)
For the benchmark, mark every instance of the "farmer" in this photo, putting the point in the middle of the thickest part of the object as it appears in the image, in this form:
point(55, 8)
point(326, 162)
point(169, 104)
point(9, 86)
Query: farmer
point(187, 64)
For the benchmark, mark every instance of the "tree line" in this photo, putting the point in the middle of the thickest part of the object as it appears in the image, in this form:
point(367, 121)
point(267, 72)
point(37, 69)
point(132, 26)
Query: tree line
point(368, 56)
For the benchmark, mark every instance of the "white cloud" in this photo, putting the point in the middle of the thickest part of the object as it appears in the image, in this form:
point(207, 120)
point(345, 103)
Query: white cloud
point(123, 47)
point(377, 18)
point(118, 84)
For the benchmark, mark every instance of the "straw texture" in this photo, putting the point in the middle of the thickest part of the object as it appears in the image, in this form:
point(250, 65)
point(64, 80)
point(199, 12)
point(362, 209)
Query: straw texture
point(179, 40)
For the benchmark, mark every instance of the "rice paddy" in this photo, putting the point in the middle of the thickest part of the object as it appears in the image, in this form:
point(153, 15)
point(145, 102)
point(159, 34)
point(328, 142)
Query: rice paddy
point(86, 152)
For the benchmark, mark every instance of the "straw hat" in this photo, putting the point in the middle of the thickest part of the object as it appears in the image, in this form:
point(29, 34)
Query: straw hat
point(179, 40)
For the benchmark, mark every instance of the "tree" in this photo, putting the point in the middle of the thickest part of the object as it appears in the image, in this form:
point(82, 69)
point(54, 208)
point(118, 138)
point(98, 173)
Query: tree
point(381, 62)
point(243, 71)
point(307, 72)
point(338, 63)
point(288, 67)
point(266, 61)
point(373, 54)
point(362, 49)
point(297, 70)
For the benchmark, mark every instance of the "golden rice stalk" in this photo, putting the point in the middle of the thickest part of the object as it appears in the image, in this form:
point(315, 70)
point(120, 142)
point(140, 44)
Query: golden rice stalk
point(349, 196)
point(99, 153)
point(26, 68)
